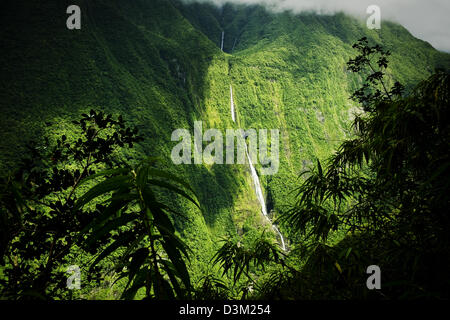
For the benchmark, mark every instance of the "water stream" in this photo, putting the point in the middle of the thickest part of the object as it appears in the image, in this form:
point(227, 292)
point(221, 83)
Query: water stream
point(232, 105)
point(256, 183)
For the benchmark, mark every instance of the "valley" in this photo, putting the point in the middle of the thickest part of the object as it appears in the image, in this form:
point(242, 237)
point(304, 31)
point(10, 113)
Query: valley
point(165, 65)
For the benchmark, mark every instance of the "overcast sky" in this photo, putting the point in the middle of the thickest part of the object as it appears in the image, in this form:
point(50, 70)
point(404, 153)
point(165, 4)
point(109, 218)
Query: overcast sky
point(426, 19)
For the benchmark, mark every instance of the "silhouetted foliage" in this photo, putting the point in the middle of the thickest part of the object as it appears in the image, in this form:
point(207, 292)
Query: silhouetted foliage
point(238, 259)
point(374, 60)
point(211, 288)
point(47, 212)
point(391, 180)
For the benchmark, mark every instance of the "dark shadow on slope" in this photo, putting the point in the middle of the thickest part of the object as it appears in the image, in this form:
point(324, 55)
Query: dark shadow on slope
point(242, 24)
point(140, 59)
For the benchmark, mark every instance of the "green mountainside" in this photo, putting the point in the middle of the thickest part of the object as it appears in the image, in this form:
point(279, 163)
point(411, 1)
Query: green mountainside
point(159, 64)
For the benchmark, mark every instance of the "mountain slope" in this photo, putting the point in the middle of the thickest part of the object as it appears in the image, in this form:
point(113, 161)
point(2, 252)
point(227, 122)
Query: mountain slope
point(289, 72)
point(158, 62)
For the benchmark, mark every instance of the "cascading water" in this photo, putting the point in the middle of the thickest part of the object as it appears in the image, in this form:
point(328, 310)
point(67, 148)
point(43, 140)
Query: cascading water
point(223, 36)
point(257, 184)
point(233, 117)
point(234, 44)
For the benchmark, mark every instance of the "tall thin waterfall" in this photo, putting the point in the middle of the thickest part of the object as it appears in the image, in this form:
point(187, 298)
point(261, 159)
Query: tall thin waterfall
point(223, 36)
point(232, 105)
point(256, 183)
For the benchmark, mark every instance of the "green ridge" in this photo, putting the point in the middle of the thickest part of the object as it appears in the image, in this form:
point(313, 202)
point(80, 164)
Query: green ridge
point(158, 63)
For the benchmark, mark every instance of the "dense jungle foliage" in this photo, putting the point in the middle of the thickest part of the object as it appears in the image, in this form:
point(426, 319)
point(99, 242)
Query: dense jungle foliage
point(87, 178)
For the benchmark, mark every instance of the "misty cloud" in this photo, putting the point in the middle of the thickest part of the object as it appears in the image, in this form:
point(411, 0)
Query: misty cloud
point(426, 20)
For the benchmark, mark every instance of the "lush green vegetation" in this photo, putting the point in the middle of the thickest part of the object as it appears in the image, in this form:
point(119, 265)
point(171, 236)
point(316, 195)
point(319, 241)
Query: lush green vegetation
point(158, 64)
point(45, 222)
point(388, 186)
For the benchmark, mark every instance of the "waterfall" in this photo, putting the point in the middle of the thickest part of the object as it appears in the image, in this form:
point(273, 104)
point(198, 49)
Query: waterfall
point(256, 183)
point(260, 197)
point(223, 36)
point(232, 105)
point(234, 44)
